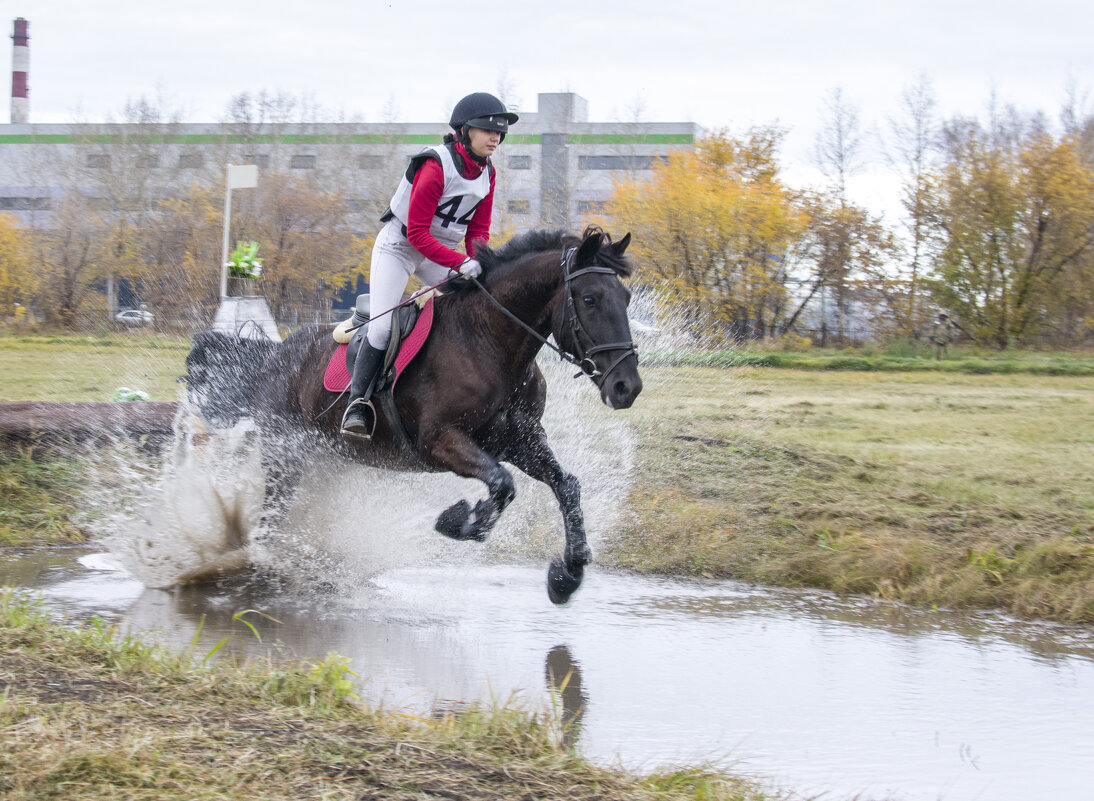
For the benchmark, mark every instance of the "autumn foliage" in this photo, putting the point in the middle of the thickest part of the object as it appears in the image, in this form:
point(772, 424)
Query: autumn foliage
point(996, 229)
point(1016, 218)
point(713, 229)
point(1004, 222)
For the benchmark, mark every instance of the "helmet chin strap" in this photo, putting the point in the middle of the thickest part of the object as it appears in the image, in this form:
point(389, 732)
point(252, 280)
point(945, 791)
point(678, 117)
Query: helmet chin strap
point(465, 140)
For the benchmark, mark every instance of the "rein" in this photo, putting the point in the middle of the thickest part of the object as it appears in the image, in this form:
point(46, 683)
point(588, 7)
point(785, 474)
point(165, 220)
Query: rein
point(583, 360)
point(400, 304)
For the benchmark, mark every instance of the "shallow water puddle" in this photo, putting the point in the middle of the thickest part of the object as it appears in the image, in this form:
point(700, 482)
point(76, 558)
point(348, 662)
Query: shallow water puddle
point(806, 690)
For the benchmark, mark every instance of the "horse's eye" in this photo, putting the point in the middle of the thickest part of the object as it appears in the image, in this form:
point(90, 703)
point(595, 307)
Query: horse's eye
point(590, 301)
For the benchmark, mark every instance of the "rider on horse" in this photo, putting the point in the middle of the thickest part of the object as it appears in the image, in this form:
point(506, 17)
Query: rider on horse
point(445, 196)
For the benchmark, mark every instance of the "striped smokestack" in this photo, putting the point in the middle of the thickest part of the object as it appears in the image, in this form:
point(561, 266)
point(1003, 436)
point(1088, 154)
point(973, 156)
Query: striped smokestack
point(20, 65)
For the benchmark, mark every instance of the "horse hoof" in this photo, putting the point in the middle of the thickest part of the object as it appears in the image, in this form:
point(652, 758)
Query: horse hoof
point(455, 522)
point(561, 582)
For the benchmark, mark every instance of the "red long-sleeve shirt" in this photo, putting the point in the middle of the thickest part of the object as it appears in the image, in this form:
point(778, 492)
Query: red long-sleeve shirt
point(425, 194)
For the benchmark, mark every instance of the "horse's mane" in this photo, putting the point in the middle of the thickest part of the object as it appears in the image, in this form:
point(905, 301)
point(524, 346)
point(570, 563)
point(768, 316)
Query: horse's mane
point(497, 263)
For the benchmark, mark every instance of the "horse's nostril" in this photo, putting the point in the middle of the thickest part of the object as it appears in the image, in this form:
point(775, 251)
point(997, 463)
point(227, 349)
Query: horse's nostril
point(620, 388)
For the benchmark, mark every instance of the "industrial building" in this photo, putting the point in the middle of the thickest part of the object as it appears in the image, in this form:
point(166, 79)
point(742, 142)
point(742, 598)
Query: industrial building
point(556, 165)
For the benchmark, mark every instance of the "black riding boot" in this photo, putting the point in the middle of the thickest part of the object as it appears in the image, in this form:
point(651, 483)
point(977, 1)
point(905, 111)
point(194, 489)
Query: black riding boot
point(359, 419)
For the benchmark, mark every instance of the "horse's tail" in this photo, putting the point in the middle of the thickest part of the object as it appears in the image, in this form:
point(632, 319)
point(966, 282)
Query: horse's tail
point(221, 373)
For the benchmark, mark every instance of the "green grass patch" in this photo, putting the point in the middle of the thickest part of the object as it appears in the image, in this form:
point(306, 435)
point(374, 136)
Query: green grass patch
point(963, 361)
point(89, 712)
point(81, 368)
point(39, 497)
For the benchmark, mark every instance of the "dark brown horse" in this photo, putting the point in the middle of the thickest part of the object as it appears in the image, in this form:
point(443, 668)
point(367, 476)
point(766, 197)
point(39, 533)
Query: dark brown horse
point(473, 397)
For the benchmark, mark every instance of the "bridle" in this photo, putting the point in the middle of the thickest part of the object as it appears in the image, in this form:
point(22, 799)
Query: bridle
point(570, 318)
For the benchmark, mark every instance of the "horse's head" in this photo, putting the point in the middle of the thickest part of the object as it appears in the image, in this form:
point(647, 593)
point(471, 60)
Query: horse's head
point(220, 375)
point(593, 326)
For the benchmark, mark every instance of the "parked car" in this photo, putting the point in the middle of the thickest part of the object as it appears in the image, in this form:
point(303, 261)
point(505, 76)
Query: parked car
point(134, 317)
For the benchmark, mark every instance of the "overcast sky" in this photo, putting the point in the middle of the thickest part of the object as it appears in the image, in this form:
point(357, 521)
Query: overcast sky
point(725, 63)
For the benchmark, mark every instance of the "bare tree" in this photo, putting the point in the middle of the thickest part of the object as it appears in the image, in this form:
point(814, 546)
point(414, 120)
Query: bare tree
point(838, 148)
point(838, 154)
point(911, 147)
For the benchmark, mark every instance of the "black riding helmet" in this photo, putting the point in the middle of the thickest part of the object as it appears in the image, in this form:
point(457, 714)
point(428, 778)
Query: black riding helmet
point(481, 110)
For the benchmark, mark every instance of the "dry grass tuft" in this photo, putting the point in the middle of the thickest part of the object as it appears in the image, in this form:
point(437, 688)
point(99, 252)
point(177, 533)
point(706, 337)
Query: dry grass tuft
point(928, 488)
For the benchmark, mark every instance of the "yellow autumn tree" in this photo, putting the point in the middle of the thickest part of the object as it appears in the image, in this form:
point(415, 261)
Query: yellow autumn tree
point(307, 247)
point(183, 243)
point(70, 253)
point(712, 229)
point(18, 278)
point(1016, 215)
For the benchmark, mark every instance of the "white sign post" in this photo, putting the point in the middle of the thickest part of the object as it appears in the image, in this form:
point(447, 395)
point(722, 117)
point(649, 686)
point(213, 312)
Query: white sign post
point(240, 176)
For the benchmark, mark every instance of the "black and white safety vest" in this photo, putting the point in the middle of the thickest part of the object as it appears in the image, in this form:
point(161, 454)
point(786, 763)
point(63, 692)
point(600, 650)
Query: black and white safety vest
point(459, 199)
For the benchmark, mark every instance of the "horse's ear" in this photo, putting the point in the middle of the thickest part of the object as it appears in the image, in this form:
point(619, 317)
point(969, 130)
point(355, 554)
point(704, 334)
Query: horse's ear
point(590, 246)
point(621, 245)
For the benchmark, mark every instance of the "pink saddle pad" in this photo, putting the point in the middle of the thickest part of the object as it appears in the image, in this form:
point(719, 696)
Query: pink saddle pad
point(337, 377)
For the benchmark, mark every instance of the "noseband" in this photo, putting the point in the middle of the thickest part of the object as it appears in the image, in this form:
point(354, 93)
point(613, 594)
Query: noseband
point(570, 318)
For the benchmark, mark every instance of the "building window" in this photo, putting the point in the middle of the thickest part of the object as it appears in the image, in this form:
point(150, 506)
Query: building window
point(98, 161)
point(302, 162)
point(617, 162)
point(190, 161)
point(370, 162)
point(519, 206)
point(590, 206)
point(148, 162)
point(258, 159)
point(24, 204)
point(520, 162)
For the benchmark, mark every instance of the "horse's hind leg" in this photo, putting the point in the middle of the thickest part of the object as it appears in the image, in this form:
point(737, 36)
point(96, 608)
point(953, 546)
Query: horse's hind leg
point(459, 453)
point(538, 461)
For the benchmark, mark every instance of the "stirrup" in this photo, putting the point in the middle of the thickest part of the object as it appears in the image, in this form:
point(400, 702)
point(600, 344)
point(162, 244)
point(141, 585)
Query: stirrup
point(363, 425)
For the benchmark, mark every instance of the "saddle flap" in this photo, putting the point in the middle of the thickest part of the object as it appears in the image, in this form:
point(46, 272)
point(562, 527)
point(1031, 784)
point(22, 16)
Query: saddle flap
point(402, 324)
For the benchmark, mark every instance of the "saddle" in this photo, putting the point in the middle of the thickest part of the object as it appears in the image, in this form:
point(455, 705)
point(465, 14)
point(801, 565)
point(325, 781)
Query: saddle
point(410, 328)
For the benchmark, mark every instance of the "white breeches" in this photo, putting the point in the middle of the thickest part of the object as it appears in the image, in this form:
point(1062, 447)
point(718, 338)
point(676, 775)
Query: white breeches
point(394, 260)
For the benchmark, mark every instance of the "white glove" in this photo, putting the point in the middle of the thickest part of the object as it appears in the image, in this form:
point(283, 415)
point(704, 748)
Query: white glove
point(470, 269)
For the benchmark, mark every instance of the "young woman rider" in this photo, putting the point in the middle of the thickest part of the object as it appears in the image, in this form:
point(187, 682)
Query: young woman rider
point(445, 196)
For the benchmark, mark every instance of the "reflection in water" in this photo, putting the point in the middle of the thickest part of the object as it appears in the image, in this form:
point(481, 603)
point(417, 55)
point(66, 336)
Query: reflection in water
point(564, 680)
point(815, 692)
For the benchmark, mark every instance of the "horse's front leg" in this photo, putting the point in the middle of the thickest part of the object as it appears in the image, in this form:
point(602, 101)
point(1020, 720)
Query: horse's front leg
point(536, 459)
point(456, 451)
point(283, 467)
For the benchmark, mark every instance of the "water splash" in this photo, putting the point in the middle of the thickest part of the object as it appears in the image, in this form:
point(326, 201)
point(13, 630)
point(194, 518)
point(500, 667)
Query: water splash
point(196, 514)
point(188, 518)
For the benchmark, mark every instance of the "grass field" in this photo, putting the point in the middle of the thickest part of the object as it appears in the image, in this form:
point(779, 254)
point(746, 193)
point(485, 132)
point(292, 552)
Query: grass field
point(90, 368)
point(931, 487)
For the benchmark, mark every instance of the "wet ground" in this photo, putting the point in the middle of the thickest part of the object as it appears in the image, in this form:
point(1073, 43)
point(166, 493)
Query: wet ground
point(806, 690)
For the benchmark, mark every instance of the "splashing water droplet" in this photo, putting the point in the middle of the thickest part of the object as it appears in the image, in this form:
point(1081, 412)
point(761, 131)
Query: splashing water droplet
point(195, 514)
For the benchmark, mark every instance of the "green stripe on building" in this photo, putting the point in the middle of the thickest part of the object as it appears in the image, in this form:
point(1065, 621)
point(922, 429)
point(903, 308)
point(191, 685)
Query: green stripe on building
point(323, 139)
point(631, 139)
point(237, 139)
